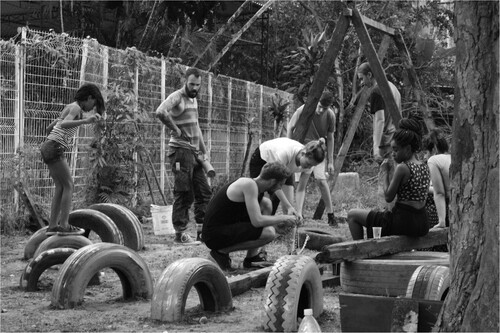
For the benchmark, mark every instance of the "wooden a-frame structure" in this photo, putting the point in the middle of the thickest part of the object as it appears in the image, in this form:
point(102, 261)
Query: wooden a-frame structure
point(321, 77)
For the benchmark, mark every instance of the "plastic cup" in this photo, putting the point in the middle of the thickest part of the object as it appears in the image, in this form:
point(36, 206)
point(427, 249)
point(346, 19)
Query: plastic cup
point(377, 232)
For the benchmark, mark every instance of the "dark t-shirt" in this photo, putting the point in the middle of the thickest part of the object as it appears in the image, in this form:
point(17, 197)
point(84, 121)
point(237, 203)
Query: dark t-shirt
point(222, 211)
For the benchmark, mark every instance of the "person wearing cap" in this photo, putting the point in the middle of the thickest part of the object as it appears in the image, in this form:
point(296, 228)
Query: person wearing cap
point(322, 126)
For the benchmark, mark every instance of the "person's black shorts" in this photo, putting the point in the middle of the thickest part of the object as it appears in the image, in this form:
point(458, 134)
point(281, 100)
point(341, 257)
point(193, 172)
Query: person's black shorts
point(51, 151)
point(223, 236)
point(401, 220)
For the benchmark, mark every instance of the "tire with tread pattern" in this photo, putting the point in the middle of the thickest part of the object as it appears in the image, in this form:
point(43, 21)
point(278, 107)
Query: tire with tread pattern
point(294, 284)
point(56, 241)
point(36, 267)
point(430, 283)
point(78, 269)
point(98, 222)
point(386, 275)
point(317, 238)
point(34, 241)
point(173, 286)
point(126, 221)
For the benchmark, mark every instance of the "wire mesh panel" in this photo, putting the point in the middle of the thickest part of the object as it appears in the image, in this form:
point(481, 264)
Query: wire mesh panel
point(41, 75)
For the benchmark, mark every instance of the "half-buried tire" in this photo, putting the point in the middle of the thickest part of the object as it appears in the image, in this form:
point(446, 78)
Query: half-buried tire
point(126, 221)
point(317, 238)
point(78, 269)
point(386, 275)
point(293, 285)
point(56, 241)
point(36, 267)
point(98, 222)
point(173, 286)
point(430, 283)
point(34, 241)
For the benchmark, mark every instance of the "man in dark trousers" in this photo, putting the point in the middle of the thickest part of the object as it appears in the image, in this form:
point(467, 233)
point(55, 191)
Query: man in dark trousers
point(179, 112)
point(235, 220)
point(322, 126)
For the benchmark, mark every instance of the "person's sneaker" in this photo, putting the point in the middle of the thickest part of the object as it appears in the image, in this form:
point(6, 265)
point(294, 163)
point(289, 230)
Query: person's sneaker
point(258, 261)
point(331, 220)
point(185, 239)
point(70, 230)
point(223, 260)
point(53, 231)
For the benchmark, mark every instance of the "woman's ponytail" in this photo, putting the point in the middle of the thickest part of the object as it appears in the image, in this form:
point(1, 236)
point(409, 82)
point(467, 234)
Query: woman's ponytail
point(316, 150)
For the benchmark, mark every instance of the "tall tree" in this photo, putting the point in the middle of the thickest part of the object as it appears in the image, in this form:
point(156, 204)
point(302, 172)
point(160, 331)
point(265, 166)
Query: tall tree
point(472, 304)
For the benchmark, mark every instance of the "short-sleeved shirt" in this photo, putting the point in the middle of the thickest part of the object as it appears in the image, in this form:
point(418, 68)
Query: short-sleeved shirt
point(283, 151)
point(377, 103)
point(442, 162)
point(321, 124)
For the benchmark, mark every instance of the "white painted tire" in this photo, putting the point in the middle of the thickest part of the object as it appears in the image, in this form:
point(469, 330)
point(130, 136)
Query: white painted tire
point(36, 267)
point(430, 283)
point(126, 221)
point(34, 241)
point(78, 269)
point(386, 275)
point(98, 222)
point(172, 289)
point(53, 242)
point(293, 285)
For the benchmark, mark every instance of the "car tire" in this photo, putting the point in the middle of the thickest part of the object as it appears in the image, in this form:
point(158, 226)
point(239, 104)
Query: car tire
point(99, 223)
point(430, 283)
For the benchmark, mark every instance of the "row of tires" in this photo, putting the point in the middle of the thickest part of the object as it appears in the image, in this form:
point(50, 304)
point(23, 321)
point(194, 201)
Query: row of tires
point(112, 223)
point(293, 284)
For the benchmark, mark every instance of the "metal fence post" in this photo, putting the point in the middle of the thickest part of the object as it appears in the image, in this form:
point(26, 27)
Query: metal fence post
point(229, 94)
point(162, 133)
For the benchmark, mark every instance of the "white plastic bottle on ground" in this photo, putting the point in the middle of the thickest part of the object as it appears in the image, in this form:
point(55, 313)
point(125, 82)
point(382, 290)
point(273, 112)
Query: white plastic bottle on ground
point(309, 323)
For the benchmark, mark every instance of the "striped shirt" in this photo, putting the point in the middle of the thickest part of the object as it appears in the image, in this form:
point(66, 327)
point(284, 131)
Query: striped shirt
point(63, 136)
point(185, 116)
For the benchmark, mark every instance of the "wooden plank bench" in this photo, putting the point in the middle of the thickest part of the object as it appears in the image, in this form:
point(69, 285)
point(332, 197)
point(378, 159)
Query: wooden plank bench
point(371, 248)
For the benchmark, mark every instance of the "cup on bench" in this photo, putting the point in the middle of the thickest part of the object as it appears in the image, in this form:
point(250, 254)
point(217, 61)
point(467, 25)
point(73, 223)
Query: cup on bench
point(377, 232)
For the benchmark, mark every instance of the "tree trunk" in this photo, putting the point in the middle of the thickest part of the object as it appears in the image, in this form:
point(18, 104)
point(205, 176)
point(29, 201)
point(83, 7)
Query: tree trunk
point(472, 304)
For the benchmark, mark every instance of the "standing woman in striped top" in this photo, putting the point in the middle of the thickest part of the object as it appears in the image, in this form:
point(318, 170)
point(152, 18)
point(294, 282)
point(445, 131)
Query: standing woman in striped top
point(61, 132)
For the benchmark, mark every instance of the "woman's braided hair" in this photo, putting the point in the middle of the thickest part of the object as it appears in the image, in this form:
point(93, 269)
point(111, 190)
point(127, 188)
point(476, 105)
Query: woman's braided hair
point(409, 133)
point(316, 150)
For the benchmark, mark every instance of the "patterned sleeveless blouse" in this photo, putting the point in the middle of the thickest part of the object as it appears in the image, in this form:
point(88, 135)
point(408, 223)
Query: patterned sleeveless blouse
point(417, 186)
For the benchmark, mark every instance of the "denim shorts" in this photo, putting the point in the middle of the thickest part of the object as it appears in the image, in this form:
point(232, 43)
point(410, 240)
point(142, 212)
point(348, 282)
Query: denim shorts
point(51, 152)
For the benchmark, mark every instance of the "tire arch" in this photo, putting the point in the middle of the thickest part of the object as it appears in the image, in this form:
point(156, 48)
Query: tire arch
point(78, 269)
point(173, 286)
point(294, 284)
point(55, 241)
point(127, 223)
point(430, 283)
point(34, 241)
point(99, 223)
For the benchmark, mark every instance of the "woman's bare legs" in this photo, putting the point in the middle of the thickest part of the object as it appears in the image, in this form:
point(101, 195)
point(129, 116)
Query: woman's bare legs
point(356, 218)
point(62, 200)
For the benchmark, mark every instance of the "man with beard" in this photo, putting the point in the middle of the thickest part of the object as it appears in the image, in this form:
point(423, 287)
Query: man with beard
point(179, 112)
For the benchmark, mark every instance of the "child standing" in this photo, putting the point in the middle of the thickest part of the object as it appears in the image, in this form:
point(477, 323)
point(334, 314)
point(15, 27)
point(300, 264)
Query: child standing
point(410, 183)
point(61, 133)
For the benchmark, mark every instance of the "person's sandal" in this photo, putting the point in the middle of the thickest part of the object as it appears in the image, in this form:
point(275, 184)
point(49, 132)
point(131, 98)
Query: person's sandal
point(257, 261)
point(53, 231)
point(70, 230)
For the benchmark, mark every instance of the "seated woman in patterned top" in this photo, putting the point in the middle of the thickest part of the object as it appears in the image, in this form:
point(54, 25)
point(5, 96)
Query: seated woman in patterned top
point(410, 183)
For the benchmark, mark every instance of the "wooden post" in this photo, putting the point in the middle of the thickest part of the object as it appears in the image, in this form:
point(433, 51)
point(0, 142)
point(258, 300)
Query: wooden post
point(34, 210)
point(239, 33)
point(376, 67)
point(320, 79)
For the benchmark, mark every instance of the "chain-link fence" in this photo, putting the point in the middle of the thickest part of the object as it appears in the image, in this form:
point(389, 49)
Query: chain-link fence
point(40, 73)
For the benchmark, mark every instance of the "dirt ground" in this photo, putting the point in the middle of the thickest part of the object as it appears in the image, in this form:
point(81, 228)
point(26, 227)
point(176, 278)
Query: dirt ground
point(103, 309)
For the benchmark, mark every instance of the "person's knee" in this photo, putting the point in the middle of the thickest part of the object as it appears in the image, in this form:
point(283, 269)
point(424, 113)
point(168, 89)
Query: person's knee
point(268, 234)
point(266, 206)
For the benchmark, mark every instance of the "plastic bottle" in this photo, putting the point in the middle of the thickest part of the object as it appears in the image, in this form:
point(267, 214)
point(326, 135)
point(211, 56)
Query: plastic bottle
point(309, 323)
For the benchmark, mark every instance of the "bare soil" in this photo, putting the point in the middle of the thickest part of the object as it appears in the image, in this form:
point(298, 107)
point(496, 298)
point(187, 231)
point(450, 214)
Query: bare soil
point(104, 310)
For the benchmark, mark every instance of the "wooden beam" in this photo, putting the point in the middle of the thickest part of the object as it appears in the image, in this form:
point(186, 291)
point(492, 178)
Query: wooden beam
point(371, 248)
point(239, 33)
point(376, 67)
point(33, 208)
point(321, 78)
point(372, 23)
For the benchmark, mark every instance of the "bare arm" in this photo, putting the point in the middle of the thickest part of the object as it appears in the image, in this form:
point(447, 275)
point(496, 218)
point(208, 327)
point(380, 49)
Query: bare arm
point(292, 123)
point(439, 195)
point(390, 189)
point(301, 192)
point(330, 143)
point(72, 115)
point(163, 112)
point(247, 188)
